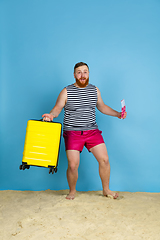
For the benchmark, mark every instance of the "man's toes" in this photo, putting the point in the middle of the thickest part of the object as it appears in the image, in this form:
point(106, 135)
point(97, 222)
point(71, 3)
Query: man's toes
point(70, 197)
point(116, 195)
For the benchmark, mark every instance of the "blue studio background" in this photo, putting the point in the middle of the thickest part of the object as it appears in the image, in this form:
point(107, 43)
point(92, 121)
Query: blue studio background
point(120, 40)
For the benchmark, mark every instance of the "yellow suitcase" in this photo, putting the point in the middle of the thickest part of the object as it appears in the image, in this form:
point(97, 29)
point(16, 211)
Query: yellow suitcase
point(42, 144)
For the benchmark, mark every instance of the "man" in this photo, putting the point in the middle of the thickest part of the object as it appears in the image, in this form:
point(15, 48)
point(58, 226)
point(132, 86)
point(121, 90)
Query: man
point(80, 128)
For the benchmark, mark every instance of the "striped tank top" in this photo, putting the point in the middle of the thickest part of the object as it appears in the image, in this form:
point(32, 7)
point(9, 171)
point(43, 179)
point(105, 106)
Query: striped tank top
point(80, 108)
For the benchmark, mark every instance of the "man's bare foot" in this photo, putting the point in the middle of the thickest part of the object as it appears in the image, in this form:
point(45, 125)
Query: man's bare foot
point(111, 194)
point(71, 196)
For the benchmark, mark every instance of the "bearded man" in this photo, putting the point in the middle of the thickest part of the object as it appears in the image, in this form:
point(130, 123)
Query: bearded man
point(80, 129)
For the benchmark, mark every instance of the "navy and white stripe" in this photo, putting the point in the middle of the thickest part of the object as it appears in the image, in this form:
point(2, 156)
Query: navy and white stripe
point(80, 108)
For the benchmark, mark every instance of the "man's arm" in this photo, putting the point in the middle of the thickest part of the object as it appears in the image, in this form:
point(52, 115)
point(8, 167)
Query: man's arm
point(60, 103)
point(103, 108)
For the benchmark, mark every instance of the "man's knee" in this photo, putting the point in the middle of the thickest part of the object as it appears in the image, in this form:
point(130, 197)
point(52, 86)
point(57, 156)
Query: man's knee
point(73, 160)
point(105, 160)
point(73, 167)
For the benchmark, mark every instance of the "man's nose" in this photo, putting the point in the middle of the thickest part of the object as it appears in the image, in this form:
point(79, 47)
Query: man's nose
point(83, 75)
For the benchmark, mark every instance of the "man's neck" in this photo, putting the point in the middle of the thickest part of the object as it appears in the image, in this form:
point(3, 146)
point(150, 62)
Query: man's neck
point(76, 85)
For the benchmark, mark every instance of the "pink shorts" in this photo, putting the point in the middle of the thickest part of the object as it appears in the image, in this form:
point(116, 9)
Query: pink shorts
point(76, 140)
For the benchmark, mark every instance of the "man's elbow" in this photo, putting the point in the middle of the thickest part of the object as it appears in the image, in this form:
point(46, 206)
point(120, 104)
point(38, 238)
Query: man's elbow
point(100, 109)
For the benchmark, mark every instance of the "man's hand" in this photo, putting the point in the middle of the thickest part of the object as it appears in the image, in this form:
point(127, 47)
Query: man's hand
point(48, 117)
point(124, 116)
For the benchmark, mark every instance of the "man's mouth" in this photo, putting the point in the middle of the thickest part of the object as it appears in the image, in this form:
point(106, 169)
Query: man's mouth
point(82, 82)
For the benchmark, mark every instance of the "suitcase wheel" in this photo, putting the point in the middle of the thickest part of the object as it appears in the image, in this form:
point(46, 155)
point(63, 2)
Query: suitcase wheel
point(24, 166)
point(52, 170)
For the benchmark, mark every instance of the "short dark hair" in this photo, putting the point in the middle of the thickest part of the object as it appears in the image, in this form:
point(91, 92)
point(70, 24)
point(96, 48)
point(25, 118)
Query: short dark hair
point(79, 64)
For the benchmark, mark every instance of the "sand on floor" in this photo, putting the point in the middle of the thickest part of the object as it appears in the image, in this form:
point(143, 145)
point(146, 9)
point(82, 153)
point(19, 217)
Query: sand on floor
point(48, 215)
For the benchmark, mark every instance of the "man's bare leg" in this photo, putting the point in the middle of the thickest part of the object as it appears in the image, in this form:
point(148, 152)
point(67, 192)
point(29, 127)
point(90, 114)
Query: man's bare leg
point(100, 153)
point(73, 157)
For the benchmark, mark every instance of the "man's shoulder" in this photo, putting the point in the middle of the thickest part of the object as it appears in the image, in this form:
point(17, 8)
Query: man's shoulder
point(92, 85)
point(70, 86)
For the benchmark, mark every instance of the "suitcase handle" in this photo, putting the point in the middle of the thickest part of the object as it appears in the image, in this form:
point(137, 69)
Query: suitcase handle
point(44, 121)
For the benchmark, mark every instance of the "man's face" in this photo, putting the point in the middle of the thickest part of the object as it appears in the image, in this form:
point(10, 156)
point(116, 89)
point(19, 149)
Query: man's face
point(82, 76)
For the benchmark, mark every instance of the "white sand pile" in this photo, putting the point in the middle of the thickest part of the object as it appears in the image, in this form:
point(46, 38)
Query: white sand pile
point(48, 215)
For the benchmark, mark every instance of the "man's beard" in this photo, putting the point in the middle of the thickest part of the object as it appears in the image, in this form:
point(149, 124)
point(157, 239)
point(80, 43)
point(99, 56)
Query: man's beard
point(82, 85)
